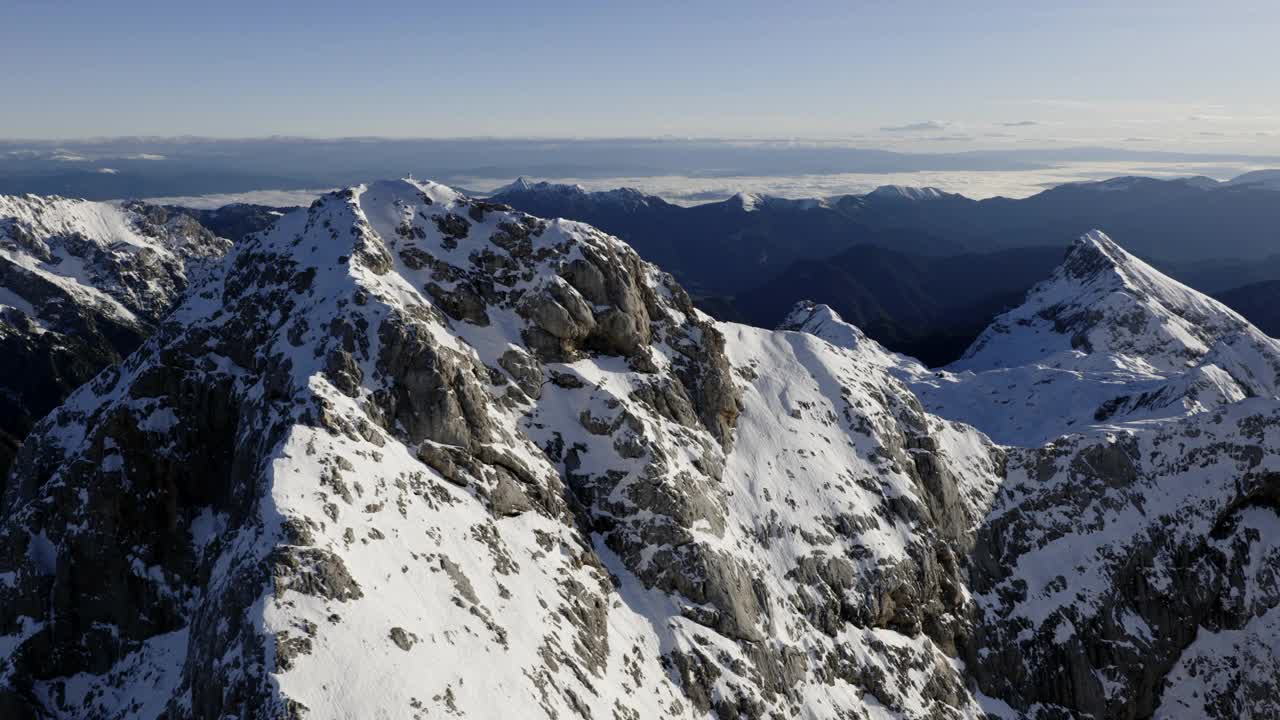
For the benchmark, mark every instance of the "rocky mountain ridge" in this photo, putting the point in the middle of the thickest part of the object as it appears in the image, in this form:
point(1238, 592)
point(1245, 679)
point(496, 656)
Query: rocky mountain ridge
point(414, 454)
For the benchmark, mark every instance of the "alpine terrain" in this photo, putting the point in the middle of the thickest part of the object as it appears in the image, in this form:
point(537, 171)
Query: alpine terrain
point(81, 285)
point(411, 454)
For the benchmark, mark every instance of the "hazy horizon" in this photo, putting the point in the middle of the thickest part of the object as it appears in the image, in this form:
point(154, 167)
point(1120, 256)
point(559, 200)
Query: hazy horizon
point(909, 76)
point(683, 171)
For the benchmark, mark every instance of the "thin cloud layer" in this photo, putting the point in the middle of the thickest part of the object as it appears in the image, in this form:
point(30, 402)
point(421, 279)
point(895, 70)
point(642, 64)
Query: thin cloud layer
point(685, 190)
point(925, 126)
point(274, 198)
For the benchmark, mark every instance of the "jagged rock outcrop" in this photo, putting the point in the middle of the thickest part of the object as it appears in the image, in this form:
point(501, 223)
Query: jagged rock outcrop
point(82, 284)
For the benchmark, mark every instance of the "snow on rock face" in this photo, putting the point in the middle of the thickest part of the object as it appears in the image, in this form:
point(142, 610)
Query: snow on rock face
point(1124, 574)
point(858, 509)
point(1231, 670)
point(122, 261)
point(751, 202)
point(1118, 573)
point(824, 322)
point(368, 459)
point(745, 201)
point(1121, 574)
point(410, 429)
point(81, 285)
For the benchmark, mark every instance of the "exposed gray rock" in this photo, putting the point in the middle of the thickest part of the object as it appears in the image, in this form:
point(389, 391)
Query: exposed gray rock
point(403, 640)
point(525, 370)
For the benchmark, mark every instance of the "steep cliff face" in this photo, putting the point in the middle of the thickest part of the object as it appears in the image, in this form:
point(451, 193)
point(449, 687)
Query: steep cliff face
point(81, 285)
point(1132, 575)
point(411, 454)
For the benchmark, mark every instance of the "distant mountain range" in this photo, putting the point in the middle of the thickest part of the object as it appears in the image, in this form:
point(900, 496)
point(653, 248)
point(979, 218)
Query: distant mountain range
point(1166, 220)
point(723, 247)
point(148, 167)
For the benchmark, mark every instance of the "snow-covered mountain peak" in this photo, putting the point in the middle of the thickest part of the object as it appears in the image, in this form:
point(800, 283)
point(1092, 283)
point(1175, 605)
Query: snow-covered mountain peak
point(808, 316)
point(126, 260)
point(746, 201)
point(81, 285)
point(522, 191)
point(393, 388)
point(408, 427)
point(1105, 305)
point(520, 184)
point(626, 197)
point(1106, 340)
point(906, 192)
point(405, 188)
point(523, 185)
point(1096, 258)
point(754, 201)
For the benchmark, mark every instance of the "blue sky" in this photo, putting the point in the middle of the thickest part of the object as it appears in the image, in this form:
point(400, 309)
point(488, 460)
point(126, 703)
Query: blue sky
point(906, 75)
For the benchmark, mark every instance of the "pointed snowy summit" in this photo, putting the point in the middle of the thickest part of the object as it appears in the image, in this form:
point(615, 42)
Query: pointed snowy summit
point(1106, 339)
point(1102, 303)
